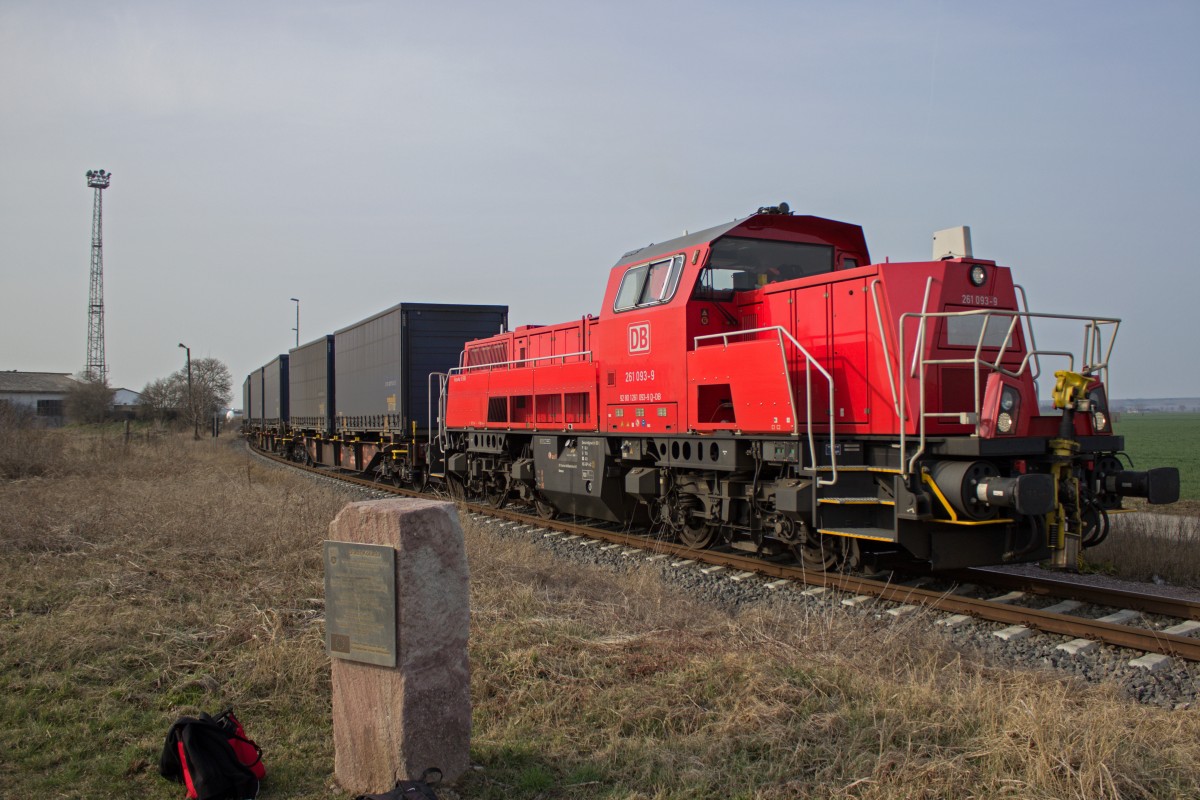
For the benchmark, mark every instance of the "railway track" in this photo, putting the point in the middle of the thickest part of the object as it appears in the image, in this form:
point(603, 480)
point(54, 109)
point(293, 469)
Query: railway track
point(1112, 628)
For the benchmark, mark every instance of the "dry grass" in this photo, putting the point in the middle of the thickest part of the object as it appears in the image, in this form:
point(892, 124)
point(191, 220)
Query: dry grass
point(158, 580)
point(1150, 546)
point(582, 677)
point(26, 450)
point(183, 579)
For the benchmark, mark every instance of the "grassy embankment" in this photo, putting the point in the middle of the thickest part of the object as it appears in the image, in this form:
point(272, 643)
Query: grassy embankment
point(1165, 440)
point(155, 580)
point(1166, 545)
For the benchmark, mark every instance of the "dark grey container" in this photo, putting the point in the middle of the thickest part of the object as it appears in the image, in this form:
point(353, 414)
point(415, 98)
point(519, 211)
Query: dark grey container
point(275, 391)
point(311, 394)
point(383, 362)
point(254, 399)
point(248, 397)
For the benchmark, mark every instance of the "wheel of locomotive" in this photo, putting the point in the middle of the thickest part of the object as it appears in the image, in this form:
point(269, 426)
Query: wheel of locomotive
point(544, 508)
point(456, 487)
point(693, 532)
point(822, 553)
point(815, 553)
point(495, 495)
point(698, 534)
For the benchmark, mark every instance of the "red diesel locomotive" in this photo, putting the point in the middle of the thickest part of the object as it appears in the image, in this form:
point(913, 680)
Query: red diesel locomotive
point(763, 383)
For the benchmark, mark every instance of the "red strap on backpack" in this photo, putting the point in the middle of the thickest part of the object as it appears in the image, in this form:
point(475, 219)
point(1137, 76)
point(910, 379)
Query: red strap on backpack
point(247, 751)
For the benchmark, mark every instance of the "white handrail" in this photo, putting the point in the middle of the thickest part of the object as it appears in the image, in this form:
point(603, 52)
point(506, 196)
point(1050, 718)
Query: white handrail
point(809, 363)
point(887, 357)
point(441, 416)
point(1093, 348)
point(494, 364)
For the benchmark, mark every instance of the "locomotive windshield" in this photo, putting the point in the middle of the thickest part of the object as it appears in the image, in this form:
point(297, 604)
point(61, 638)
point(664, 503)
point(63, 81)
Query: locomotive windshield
point(737, 265)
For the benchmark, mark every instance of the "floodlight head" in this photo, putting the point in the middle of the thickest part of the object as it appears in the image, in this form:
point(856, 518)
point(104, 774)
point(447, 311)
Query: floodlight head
point(98, 178)
point(184, 346)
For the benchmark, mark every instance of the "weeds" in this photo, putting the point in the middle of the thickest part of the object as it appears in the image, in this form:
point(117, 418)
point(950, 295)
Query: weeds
point(1150, 546)
point(26, 450)
point(151, 581)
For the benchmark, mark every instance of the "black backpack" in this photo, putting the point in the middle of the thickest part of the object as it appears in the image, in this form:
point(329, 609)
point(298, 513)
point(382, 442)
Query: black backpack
point(212, 758)
point(420, 789)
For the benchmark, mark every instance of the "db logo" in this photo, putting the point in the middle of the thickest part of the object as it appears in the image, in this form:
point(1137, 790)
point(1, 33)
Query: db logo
point(639, 337)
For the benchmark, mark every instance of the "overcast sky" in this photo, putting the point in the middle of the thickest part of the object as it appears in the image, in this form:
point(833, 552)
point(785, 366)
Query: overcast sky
point(360, 154)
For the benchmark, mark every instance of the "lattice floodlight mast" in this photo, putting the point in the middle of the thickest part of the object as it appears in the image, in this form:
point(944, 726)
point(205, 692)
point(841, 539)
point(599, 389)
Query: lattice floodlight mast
point(95, 369)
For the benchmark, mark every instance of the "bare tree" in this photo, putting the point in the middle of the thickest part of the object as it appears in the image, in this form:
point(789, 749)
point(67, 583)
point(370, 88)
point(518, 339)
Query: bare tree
point(211, 390)
point(161, 400)
point(88, 401)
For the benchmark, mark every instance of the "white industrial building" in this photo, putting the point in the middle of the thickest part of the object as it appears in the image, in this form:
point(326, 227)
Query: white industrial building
point(44, 393)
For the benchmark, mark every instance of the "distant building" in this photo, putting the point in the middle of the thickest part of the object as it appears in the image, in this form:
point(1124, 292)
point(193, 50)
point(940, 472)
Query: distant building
point(125, 403)
point(42, 393)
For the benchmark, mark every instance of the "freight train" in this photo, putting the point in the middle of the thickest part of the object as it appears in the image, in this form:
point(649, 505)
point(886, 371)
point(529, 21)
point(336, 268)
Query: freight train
point(760, 384)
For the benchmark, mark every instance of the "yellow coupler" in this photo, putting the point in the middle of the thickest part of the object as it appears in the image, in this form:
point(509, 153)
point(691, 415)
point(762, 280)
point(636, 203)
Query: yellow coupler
point(1063, 524)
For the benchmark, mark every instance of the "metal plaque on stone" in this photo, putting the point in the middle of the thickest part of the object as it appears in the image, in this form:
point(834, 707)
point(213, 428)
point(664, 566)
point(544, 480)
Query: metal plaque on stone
point(360, 602)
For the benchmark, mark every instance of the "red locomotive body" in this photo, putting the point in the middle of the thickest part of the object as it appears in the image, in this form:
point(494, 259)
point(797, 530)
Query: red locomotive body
point(764, 383)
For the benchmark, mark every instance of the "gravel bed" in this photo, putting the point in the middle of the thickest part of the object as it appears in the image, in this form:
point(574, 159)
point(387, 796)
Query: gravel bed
point(1174, 685)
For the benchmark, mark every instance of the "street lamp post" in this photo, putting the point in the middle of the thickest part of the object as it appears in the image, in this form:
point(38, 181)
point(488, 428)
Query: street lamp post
point(191, 396)
point(296, 300)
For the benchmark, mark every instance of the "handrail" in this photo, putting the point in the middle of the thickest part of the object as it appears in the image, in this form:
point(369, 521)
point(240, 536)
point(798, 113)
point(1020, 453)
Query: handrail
point(887, 357)
point(809, 363)
point(1095, 359)
point(441, 416)
point(902, 416)
point(494, 364)
point(1036, 372)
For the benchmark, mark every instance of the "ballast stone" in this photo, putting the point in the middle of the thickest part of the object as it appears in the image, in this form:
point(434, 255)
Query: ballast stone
point(391, 724)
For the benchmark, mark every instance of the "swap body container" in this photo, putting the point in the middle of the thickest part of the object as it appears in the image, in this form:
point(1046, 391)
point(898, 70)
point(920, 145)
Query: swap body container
point(311, 393)
point(275, 392)
point(248, 395)
point(384, 362)
point(252, 396)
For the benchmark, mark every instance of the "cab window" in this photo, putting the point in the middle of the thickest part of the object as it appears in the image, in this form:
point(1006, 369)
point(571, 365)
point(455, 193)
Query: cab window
point(968, 331)
point(738, 264)
point(649, 284)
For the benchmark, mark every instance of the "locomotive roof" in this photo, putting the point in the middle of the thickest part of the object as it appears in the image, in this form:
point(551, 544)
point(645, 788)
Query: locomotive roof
point(842, 234)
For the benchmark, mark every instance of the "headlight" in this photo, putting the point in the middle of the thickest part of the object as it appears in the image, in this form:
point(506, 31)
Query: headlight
point(1007, 400)
point(978, 275)
point(1004, 422)
point(1099, 421)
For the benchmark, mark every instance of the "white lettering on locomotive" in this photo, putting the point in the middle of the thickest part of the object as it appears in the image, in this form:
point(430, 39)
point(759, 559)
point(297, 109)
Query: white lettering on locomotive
point(639, 337)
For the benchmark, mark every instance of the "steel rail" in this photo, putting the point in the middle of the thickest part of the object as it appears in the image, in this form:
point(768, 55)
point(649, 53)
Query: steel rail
point(1128, 636)
point(1097, 595)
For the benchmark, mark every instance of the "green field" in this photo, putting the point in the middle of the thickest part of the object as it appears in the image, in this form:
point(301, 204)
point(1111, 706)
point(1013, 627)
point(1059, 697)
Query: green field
point(1165, 440)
